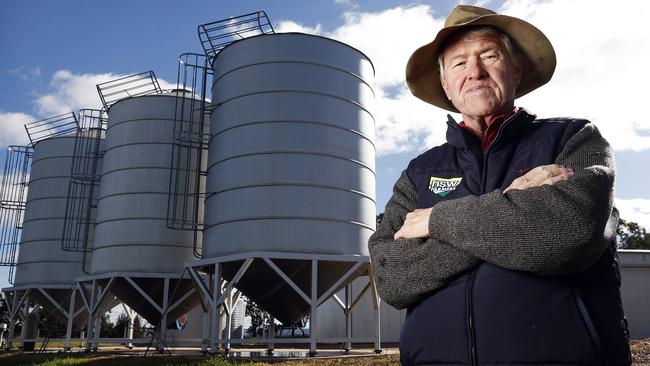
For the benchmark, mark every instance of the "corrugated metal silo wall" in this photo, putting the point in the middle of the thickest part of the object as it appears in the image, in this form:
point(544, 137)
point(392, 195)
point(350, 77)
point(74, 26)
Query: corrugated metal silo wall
point(40, 258)
point(291, 160)
point(131, 234)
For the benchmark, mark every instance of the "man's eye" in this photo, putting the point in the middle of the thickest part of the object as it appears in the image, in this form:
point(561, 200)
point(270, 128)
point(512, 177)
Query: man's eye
point(489, 57)
point(459, 63)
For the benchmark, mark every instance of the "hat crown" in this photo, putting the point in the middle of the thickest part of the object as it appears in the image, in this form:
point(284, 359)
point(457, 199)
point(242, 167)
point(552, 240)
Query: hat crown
point(465, 13)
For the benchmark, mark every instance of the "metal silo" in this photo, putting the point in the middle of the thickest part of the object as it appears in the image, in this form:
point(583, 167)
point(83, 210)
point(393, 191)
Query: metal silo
point(45, 274)
point(135, 256)
point(291, 160)
point(290, 199)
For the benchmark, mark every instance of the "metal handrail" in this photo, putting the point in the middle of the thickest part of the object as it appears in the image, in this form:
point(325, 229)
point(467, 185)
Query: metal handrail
point(127, 86)
point(214, 36)
point(51, 127)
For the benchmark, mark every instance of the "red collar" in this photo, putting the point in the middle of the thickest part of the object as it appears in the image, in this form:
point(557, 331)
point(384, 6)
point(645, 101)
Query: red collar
point(492, 129)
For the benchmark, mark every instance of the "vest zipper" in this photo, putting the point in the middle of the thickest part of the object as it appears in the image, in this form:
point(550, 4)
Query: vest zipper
point(470, 315)
point(470, 320)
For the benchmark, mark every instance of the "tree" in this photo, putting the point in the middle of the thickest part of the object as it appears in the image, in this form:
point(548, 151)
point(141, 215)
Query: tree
point(4, 310)
point(121, 324)
point(137, 327)
point(106, 328)
point(379, 218)
point(257, 316)
point(630, 235)
point(50, 325)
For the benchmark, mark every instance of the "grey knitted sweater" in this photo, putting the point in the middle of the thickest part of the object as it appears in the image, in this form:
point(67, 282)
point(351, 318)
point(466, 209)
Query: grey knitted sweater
point(550, 230)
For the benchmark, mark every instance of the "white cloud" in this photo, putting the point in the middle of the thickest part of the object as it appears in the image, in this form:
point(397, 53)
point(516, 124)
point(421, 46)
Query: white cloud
point(71, 92)
point(601, 50)
point(601, 57)
point(636, 210)
point(12, 130)
point(288, 26)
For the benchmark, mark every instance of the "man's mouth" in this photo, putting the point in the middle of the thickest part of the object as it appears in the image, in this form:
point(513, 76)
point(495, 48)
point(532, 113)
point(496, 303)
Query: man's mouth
point(477, 88)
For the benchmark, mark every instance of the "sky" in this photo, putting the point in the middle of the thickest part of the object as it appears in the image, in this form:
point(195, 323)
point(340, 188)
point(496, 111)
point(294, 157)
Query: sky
point(53, 53)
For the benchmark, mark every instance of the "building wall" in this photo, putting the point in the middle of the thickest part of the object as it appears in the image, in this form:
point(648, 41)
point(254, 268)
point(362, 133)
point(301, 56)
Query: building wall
point(635, 290)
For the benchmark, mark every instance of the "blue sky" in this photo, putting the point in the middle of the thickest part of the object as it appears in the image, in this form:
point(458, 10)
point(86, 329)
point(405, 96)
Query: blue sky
point(53, 52)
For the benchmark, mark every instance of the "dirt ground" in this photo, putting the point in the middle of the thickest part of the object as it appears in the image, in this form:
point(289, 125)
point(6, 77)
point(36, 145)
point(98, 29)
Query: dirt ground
point(109, 357)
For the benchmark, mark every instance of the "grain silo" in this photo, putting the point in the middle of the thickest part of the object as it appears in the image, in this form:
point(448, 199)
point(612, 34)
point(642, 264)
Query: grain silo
point(45, 274)
point(290, 199)
point(135, 256)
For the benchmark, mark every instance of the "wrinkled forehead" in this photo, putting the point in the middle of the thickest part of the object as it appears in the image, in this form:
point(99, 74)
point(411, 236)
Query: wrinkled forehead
point(484, 36)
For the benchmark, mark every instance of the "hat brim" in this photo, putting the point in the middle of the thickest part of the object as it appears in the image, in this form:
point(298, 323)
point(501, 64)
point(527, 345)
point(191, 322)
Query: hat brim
point(422, 73)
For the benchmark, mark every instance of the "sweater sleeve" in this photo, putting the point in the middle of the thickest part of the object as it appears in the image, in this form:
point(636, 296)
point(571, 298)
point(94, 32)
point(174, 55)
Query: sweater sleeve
point(406, 270)
point(549, 230)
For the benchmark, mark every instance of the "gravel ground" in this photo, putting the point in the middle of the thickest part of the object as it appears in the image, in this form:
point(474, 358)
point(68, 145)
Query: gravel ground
point(640, 352)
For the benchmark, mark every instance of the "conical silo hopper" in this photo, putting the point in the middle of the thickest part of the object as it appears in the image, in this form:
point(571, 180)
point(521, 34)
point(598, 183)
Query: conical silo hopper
point(135, 254)
point(291, 163)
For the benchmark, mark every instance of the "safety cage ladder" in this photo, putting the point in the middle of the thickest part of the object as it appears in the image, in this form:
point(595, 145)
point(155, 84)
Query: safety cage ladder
point(188, 171)
point(12, 203)
point(84, 182)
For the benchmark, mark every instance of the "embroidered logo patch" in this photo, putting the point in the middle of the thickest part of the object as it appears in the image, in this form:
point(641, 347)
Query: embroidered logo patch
point(443, 186)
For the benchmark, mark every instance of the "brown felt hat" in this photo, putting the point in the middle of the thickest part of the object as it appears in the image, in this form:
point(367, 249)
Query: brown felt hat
point(422, 74)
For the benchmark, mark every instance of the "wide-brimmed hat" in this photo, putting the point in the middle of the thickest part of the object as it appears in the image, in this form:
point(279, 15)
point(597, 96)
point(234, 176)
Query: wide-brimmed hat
point(422, 73)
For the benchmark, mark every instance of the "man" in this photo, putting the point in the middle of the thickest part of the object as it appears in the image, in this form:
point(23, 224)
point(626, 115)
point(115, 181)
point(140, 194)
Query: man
point(501, 241)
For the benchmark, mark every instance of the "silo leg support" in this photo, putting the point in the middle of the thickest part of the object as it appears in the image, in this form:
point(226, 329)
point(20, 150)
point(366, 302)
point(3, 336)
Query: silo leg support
point(16, 303)
point(314, 308)
point(214, 308)
point(71, 314)
point(97, 329)
point(348, 317)
point(205, 320)
point(202, 288)
point(91, 315)
point(269, 350)
point(376, 301)
point(163, 319)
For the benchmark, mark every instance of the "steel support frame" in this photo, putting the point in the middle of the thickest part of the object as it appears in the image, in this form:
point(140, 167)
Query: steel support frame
point(18, 297)
point(213, 297)
point(98, 293)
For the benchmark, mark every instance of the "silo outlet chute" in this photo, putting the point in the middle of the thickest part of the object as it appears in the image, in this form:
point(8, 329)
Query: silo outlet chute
point(44, 274)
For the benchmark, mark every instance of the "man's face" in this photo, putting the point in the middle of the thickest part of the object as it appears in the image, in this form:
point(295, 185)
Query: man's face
point(479, 78)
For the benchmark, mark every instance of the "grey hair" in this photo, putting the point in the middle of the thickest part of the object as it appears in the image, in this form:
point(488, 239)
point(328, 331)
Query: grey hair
point(481, 31)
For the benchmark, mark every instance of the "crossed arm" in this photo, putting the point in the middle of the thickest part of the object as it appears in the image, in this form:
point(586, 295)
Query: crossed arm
point(551, 223)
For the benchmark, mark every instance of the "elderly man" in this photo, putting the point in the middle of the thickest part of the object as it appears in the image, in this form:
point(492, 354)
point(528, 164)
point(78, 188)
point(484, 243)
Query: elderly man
point(501, 242)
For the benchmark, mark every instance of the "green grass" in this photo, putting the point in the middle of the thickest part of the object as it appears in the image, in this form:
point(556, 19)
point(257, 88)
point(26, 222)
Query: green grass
point(113, 360)
point(58, 360)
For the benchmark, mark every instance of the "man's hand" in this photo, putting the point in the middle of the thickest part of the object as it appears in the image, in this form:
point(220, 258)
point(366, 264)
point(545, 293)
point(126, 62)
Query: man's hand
point(544, 174)
point(416, 225)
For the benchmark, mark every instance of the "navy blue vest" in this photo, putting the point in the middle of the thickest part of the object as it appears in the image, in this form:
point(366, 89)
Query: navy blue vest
point(494, 316)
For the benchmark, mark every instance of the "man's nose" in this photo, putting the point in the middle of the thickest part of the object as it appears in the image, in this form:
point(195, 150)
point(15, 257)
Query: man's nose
point(475, 69)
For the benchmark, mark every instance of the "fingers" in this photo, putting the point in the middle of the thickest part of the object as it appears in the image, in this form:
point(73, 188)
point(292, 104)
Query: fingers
point(416, 225)
point(545, 174)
